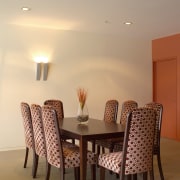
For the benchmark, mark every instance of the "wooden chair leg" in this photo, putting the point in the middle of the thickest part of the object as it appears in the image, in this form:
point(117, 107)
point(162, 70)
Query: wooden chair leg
point(128, 177)
point(93, 172)
point(98, 152)
point(117, 176)
point(77, 173)
point(35, 164)
point(110, 151)
point(151, 175)
point(73, 141)
point(93, 146)
point(134, 176)
point(145, 175)
point(48, 170)
point(102, 173)
point(103, 150)
point(159, 165)
point(26, 157)
point(62, 173)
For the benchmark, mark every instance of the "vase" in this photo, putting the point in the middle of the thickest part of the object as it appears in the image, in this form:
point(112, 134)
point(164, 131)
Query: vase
point(82, 114)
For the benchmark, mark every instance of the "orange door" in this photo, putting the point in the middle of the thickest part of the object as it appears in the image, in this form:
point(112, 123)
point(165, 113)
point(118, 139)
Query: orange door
point(165, 92)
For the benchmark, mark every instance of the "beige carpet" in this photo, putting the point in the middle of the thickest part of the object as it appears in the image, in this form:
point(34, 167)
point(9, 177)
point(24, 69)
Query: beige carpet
point(11, 165)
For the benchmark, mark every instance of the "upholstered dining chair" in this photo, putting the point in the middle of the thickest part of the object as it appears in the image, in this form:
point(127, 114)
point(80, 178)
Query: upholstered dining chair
point(137, 154)
point(58, 106)
point(28, 130)
point(58, 155)
point(157, 139)
point(127, 106)
point(39, 139)
point(110, 115)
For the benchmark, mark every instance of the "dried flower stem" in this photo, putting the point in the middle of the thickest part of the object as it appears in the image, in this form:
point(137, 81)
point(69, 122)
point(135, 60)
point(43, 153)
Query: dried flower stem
point(82, 96)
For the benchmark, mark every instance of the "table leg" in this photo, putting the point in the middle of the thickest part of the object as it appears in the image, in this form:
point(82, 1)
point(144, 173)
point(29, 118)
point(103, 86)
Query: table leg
point(83, 158)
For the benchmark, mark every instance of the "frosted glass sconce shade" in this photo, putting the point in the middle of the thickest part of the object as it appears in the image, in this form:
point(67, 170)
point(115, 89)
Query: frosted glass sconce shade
point(38, 71)
point(41, 65)
point(45, 73)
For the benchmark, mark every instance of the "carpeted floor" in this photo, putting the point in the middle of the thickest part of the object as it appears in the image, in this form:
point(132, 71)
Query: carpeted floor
point(11, 165)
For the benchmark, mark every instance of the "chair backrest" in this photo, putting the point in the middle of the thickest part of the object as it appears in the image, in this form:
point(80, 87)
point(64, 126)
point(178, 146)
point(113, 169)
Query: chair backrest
point(138, 141)
point(159, 110)
point(127, 106)
point(111, 110)
point(39, 139)
point(27, 122)
point(52, 136)
point(57, 105)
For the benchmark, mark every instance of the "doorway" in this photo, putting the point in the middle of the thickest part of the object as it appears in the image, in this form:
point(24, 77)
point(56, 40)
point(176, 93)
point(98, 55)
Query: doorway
point(165, 92)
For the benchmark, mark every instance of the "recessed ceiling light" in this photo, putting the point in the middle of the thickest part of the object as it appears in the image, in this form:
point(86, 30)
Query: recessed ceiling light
point(25, 9)
point(107, 22)
point(128, 23)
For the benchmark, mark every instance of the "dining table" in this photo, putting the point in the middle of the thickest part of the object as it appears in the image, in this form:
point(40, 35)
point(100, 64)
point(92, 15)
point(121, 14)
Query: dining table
point(94, 129)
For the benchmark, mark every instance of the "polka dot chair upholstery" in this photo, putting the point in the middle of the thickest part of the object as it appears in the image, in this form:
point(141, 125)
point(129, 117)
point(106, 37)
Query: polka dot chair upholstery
point(28, 129)
point(127, 106)
point(159, 111)
point(137, 154)
point(110, 115)
point(58, 155)
point(39, 139)
point(58, 106)
point(111, 110)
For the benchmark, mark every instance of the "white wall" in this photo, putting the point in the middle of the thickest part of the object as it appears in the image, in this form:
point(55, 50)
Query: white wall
point(109, 66)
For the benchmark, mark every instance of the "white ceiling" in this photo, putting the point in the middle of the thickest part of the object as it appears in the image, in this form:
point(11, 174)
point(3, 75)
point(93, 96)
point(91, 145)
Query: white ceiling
point(151, 18)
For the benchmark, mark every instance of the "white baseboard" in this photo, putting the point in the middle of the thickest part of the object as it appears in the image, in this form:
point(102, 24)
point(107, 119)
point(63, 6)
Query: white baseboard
point(12, 148)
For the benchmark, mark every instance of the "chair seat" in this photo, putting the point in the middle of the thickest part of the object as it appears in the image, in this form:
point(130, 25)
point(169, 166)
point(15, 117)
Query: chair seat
point(71, 155)
point(111, 161)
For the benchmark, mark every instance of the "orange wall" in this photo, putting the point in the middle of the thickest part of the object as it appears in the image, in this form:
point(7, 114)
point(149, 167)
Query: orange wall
point(166, 47)
point(163, 49)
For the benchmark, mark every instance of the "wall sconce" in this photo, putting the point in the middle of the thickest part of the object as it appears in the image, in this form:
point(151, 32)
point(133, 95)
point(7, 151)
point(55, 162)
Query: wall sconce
point(38, 71)
point(41, 65)
point(45, 73)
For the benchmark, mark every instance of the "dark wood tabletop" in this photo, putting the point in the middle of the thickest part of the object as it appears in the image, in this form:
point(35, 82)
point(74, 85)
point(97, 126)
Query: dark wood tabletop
point(93, 130)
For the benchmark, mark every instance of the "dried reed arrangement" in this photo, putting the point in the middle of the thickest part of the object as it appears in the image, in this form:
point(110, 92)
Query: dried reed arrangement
point(82, 96)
